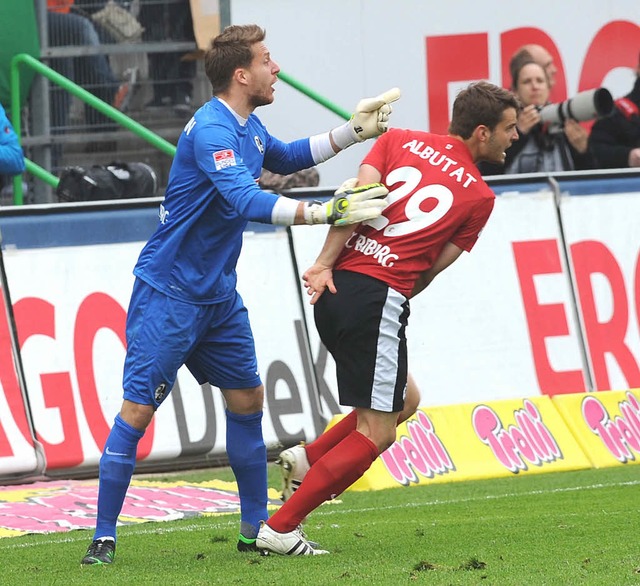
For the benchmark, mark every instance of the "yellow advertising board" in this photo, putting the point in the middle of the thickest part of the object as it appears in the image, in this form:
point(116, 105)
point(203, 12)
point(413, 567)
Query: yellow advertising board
point(606, 424)
point(476, 440)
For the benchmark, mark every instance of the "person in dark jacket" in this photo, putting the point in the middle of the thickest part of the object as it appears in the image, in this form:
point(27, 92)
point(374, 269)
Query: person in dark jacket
point(542, 147)
point(615, 140)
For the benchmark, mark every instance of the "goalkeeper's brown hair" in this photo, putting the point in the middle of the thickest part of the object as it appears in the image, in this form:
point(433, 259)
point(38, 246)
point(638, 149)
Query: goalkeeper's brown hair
point(228, 51)
point(481, 103)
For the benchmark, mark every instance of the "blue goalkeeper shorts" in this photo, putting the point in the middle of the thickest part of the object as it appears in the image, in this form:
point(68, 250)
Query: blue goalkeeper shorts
point(214, 341)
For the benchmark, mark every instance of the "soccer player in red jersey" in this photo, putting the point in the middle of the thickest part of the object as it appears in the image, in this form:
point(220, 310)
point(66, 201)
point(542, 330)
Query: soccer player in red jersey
point(437, 206)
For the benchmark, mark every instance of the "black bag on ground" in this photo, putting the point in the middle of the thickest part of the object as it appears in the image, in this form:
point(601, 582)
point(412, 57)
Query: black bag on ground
point(112, 181)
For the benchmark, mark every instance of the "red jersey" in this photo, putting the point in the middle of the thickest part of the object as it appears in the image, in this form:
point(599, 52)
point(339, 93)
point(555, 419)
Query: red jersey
point(436, 195)
point(59, 5)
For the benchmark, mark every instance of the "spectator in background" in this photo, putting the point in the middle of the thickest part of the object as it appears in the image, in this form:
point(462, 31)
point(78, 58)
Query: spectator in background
point(540, 55)
point(60, 6)
point(541, 147)
point(92, 72)
point(11, 155)
point(615, 139)
point(303, 178)
point(172, 72)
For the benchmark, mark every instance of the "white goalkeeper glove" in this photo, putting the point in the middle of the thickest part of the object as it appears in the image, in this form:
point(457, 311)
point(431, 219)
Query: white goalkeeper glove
point(370, 119)
point(349, 205)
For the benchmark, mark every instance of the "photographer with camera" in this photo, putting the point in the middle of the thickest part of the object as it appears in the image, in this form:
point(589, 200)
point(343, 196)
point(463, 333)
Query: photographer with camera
point(615, 140)
point(537, 53)
point(549, 141)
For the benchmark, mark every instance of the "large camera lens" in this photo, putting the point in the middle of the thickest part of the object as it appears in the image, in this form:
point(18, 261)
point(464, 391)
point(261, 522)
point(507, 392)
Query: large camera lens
point(583, 106)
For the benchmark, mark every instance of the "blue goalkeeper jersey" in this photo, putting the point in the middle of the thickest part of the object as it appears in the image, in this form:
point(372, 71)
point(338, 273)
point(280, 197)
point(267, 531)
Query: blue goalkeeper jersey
point(211, 195)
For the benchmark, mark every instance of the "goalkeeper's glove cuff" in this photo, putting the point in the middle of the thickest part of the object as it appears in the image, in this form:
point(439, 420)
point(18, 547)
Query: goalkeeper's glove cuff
point(344, 136)
point(315, 212)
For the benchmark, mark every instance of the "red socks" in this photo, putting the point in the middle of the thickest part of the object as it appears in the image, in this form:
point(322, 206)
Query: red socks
point(327, 478)
point(331, 437)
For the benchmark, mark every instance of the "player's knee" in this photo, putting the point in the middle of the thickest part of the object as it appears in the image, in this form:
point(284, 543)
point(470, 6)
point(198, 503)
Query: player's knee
point(244, 401)
point(411, 400)
point(136, 415)
point(410, 406)
point(383, 437)
point(387, 440)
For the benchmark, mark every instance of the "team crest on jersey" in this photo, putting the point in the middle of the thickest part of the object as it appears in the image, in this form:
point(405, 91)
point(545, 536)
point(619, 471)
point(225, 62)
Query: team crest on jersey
point(259, 144)
point(224, 159)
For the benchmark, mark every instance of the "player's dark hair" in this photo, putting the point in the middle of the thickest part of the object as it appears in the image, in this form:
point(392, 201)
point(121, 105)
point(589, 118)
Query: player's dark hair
point(228, 51)
point(481, 103)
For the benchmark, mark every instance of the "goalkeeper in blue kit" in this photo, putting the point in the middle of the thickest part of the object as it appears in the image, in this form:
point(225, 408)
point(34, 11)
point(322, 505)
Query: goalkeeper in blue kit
point(184, 308)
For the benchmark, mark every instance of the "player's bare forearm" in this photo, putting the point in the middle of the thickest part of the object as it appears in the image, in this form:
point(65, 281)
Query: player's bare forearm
point(319, 276)
point(449, 254)
point(336, 239)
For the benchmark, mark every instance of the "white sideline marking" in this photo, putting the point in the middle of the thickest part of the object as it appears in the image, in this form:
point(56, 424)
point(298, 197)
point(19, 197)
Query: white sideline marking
point(487, 497)
point(322, 511)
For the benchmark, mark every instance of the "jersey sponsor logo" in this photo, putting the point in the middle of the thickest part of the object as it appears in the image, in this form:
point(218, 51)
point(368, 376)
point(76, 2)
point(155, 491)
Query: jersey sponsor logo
point(370, 247)
point(224, 159)
point(259, 144)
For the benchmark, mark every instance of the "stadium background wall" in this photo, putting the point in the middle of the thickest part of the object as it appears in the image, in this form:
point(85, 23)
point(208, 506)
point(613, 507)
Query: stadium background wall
point(430, 50)
point(547, 303)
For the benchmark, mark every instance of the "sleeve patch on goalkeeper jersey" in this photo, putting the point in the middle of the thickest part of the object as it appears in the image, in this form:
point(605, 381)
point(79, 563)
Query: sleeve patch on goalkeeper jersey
point(224, 159)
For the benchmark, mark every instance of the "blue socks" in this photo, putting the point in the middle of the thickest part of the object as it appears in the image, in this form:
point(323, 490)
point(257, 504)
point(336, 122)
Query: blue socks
point(247, 455)
point(116, 468)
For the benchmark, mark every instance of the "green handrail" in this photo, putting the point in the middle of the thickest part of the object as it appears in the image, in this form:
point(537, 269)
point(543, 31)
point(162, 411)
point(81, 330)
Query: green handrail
point(23, 58)
point(307, 91)
point(40, 173)
point(111, 112)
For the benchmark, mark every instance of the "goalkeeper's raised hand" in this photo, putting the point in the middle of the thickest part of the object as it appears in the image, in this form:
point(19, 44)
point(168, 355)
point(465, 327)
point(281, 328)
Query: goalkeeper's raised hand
point(349, 205)
point(370, 119)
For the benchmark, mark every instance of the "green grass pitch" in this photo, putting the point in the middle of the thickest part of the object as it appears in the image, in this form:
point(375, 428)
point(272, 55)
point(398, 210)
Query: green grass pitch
point(547, 529)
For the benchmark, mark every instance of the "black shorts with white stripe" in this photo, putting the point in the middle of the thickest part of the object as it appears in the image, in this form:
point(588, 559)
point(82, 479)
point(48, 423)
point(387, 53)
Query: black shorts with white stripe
point(363, 327)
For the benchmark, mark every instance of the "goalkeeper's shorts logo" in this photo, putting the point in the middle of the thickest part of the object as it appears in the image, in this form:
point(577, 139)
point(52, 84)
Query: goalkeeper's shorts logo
point(160, 392)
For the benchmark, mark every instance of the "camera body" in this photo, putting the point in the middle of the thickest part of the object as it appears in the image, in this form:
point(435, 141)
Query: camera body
point(584, 106)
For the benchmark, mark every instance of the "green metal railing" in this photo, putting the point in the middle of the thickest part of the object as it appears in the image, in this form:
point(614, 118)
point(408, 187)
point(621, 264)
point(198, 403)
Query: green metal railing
point(109, 111)
point(307, 91)
point(24, 59)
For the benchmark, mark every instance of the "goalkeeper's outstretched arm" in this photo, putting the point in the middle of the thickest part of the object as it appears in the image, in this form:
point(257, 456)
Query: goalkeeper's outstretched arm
point(370, 119)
